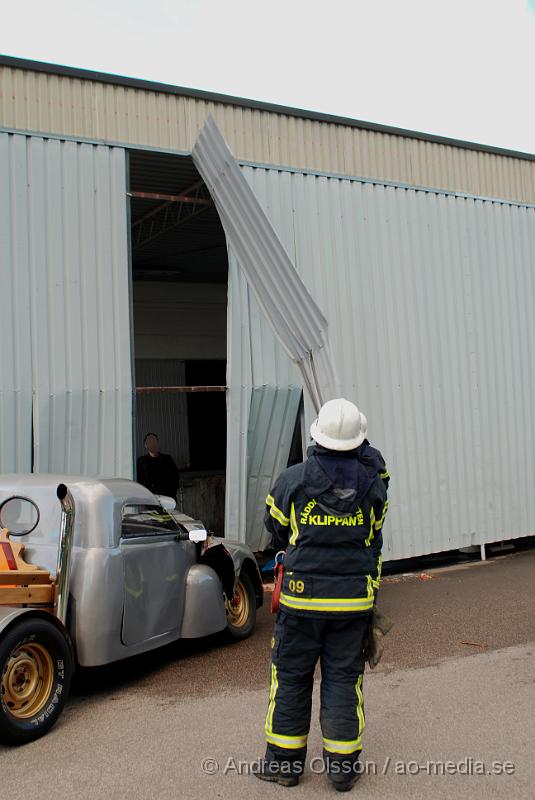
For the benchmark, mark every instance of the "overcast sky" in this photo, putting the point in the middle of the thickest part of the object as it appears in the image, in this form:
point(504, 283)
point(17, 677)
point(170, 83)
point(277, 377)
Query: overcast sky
point(459, 68)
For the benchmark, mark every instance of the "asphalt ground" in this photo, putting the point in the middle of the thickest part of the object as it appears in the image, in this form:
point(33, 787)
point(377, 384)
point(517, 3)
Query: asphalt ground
point(456, 611)
point(457, 682)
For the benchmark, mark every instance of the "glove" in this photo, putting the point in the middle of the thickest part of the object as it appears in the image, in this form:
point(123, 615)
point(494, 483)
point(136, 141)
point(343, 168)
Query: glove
point(376, 629)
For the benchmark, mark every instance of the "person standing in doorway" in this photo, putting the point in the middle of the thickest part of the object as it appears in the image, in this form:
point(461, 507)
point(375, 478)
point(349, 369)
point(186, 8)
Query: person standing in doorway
point(327, 513)
point(157, 471)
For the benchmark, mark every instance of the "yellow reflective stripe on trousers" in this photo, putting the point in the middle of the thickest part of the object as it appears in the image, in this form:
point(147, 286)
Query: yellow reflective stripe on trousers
point(377, 581)
point(342, 747)
point(372, 528)
point(279, 739)
point(275, 512)
point(360, 705)
point(268, 726)
point(327, 603)
point(379, 523)
point(293, 523)
point(384, 475)
point(289, 742)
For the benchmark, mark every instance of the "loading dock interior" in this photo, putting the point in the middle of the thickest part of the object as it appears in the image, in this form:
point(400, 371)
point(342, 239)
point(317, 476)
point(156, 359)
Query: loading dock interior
point(180, 278)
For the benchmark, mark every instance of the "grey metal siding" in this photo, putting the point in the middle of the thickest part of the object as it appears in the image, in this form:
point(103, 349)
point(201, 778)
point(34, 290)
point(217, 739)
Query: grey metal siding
point(258, 372)
point(67, 256)
point(52, 103)
point(162, 411)
point(272, 420)
point(15, 341)
point(429, 300)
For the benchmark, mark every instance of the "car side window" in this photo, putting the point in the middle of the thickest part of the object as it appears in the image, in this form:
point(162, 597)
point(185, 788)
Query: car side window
point(146, 520)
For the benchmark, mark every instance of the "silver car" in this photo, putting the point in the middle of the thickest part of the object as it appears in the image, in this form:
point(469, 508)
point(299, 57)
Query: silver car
point(108, 570)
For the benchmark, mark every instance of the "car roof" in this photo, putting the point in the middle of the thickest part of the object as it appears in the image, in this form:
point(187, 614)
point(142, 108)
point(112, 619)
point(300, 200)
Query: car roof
point(117, 487)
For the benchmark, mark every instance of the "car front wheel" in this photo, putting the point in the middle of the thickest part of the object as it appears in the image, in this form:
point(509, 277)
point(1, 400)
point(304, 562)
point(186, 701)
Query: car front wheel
point(241, 610)
point(36, 667)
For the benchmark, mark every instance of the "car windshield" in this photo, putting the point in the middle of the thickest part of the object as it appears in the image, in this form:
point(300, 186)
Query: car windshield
point(143, 520)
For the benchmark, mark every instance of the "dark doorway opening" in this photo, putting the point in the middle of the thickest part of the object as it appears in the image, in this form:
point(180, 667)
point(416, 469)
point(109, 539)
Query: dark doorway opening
point(180, 278)
point(207, 416)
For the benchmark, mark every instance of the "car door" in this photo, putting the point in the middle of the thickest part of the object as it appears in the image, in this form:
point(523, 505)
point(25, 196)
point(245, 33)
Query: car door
point(155, 565)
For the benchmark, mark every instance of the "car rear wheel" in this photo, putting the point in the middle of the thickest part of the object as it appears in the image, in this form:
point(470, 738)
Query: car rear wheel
point(241, 610)
point(35, 676)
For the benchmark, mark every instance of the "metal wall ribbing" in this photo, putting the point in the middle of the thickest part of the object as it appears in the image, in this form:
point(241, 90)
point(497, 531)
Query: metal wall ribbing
point(163, 413)
point(54, 103)
point(430, 306)
point(261, 381)
point(65, 265)
point(429, 299)
point(15, 335)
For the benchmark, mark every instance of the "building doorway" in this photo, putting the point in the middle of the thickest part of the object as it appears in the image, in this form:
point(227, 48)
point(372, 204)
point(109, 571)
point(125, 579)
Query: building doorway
point(180, 279)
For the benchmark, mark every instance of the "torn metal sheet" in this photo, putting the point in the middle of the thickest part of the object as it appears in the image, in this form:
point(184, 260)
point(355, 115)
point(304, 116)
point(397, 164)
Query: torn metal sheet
point(294, 316)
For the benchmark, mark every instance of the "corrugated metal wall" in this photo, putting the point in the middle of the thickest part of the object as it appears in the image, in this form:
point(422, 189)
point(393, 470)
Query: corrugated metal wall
point(36, 101)
point(272, 422)
point(66, 308)
point(260, 377)
point(163, 413)
point(430, 306)
point(15, 339)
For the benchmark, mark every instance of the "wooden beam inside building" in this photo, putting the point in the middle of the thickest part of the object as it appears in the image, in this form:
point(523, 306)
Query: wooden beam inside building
point(179, 389)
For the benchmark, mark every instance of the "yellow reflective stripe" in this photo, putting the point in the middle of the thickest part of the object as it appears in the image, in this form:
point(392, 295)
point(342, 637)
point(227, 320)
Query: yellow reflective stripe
point(293, 523)
point(275, 512)
point(327, 603)
point(377, 581)
point(360, 705)
point(280, 739)
point(384, 474)
point(343, 747)
point(279, 516)
point(272, 693)
point(289, 742)
point(372, 526)
point(379, 523)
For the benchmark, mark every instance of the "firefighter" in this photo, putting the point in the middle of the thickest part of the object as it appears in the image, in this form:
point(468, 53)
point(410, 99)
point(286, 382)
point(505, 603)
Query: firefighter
point(327, 513)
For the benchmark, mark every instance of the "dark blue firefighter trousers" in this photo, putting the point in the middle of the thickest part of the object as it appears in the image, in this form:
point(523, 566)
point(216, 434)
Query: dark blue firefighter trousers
point(298, 643)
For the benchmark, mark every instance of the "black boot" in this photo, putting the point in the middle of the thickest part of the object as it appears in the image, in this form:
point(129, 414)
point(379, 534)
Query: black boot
point(344, 783)
point(285, 773)
point(343, 774)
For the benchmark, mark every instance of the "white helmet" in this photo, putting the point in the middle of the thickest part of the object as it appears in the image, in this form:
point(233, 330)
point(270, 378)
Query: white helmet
point(340, 425)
